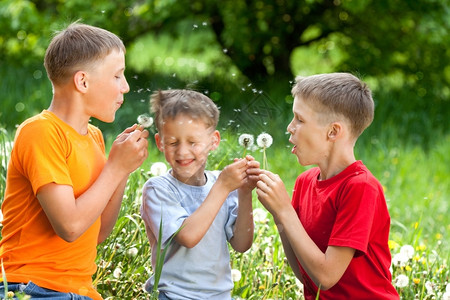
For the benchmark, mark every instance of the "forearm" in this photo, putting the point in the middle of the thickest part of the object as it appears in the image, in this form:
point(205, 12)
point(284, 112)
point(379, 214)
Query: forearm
point(244, 227)
point(196, 225)
point(325, 269)
point(111, 212)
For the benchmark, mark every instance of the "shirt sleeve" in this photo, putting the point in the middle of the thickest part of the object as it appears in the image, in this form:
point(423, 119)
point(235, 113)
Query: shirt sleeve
point(42, 160)
point(355, 214)
point(232, 205)
point(160, 205)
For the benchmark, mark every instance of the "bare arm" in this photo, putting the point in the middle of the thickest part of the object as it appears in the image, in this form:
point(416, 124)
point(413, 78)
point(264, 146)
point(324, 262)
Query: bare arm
point(111, 211)
point(325, 269)
point(70, 218)
point(196, 225)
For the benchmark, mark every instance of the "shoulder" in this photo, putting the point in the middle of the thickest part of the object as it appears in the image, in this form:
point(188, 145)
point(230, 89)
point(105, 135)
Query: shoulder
point(308, 175)
point(359, 174)
point(38, 129)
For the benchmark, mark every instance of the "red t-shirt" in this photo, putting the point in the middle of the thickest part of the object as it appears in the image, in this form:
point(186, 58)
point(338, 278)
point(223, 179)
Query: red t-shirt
point(348, 210)
point(48, 150)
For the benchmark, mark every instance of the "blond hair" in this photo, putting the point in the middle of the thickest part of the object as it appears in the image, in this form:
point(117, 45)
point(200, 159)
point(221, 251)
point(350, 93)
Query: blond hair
point(168, 104)
point(77, 47)
point(338, 94)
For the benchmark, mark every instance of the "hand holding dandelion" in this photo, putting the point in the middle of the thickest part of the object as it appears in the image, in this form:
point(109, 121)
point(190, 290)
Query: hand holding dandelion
point(264, 141)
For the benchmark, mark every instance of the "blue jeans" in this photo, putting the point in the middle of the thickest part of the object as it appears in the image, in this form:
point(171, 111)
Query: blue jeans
point(38, 293)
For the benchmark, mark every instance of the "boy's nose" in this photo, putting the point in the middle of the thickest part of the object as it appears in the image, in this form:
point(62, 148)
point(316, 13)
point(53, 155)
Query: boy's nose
point(125, 86)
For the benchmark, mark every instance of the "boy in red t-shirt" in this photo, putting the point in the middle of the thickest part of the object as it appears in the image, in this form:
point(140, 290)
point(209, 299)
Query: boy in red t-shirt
point(335, 231)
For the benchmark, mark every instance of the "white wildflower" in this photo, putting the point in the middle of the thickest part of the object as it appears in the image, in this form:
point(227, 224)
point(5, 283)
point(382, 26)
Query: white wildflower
point(407, 250)
point(145, 121)
point(132, 251)
point(264, 140)
point(446, 295)
point(401, 281)
point(299, 284)
point(1, 217)
point(429, 287)
point(158, 169)
point(117, 273)
point(235, 275)
point(246, 140)
point(400, 260)
point(260, 215)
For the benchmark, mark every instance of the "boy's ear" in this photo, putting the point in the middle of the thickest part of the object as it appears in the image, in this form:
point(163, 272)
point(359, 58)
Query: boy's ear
point(216, 140)
point(334, 131)
point(159, 142)
point(80, 81)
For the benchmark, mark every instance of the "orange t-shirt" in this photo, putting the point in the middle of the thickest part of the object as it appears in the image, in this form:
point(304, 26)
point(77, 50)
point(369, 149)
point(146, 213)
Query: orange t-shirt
point(48, 150)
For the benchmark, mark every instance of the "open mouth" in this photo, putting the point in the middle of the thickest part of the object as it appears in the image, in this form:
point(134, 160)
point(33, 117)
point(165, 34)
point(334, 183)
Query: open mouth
point(184, 162)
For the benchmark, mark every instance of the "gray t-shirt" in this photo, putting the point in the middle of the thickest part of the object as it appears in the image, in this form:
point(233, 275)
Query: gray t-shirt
point(202, 272)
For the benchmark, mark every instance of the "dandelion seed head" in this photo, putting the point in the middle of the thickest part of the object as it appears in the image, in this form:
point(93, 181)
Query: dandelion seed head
point(401, 281)
point(400, 260)
point(235, 275)
point(145, 121)
point(260, 215)
point(132, 251)
point(158, 169)
point(246, 140)
point(117, 272)
point(407, 250)
point(264, 140)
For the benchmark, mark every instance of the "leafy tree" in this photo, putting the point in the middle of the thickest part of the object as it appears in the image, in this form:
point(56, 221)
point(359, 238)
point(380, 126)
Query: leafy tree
point(400, 43)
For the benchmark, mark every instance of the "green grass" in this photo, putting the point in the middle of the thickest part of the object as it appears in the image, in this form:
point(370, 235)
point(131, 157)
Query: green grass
point(417, 190)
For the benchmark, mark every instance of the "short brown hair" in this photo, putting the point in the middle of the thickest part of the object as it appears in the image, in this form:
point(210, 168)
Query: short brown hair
point(78, 46)
point(338, 94)
point(167, 104)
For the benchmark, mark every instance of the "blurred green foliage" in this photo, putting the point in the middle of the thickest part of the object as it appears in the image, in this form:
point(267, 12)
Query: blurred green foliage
point(245, 54)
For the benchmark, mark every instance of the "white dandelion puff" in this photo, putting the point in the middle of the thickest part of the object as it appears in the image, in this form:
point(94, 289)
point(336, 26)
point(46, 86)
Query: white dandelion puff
point(401, 281)
point(260, 215)
point(117, 272)
point(246, 140)
point(145, 121)
point(400, 260)
point(158, 169)
point(407, 250)
point(264, 140)
point(132, 251)
point(235, 275)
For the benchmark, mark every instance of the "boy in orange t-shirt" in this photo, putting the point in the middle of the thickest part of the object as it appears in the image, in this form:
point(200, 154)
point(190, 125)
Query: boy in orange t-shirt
point(62, 194)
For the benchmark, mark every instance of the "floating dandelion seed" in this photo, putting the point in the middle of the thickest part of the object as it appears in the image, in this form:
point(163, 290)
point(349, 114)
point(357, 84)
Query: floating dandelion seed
point(264, 140)
point(158, 169)
point(145, 121)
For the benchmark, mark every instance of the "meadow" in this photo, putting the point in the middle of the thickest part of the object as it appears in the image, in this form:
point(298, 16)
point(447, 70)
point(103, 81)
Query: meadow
point(412, 163)
point(417, 192)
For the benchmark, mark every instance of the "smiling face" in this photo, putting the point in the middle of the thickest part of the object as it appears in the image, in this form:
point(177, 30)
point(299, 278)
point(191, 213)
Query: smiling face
point(308, 134)
point(186, 143)
point(106, 84)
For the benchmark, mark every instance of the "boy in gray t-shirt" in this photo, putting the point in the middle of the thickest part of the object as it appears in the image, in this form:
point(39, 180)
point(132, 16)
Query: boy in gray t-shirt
point(211, 208)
